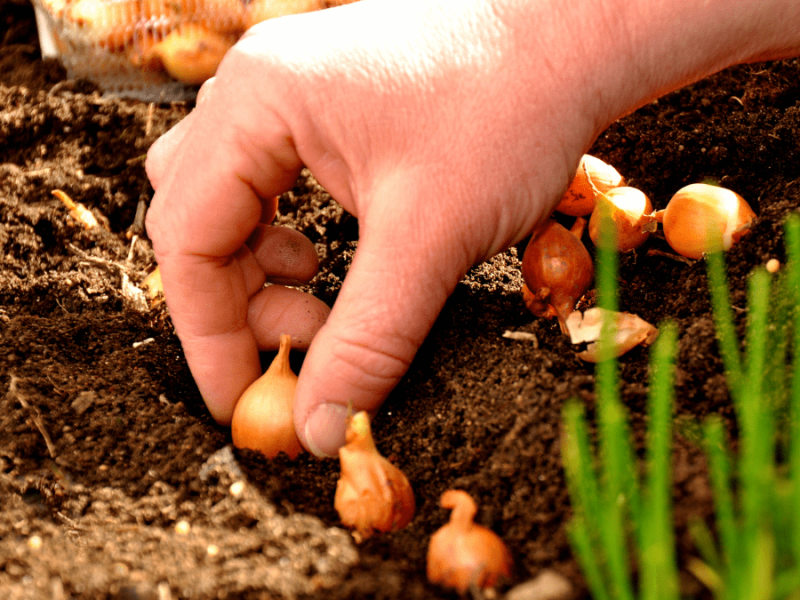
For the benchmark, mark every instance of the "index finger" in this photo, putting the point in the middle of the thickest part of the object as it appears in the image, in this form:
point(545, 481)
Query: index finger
point(233, 153)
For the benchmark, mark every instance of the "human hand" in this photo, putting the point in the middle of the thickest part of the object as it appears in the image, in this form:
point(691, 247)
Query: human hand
point(449, 129)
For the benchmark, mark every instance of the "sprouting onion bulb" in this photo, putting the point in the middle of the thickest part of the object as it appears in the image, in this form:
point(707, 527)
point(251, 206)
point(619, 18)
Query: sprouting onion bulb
point(579, 199)
point(371, 494)
point(629, 210)
point(462, 553)
point(557, 270)
point(701, 218)
point(262, 418)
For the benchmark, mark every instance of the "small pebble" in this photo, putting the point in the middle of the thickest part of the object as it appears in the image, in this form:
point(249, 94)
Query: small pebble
point(34, 542)
point(182, 527)
point(548, 585)
point(773, 264)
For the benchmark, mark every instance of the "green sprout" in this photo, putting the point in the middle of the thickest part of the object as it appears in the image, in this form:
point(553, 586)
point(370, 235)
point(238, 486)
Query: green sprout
point(622, 523)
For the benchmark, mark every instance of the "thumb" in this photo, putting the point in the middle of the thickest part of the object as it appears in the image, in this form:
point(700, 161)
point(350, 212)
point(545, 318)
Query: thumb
point(397, 284)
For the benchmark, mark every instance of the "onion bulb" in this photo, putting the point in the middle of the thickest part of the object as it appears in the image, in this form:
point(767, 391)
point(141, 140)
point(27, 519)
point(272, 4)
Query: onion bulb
point(593, 176)
point(190, 54)
point(462, 553)
point(629, 210)
point(557, 270)
point(262, 419)
point(371, 494)
point(701, 218)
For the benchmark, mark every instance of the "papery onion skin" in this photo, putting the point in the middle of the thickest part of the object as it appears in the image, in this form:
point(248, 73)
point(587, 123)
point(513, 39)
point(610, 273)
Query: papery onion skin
point(701, 218)
point(462, 553)
point(579, 199)
point(263, 416)
point(627, 331)
point(557, 270)
point(630, 210)
point(371, 494)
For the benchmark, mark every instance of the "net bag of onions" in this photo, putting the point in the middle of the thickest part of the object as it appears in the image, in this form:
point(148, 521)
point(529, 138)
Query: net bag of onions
point(152, 50)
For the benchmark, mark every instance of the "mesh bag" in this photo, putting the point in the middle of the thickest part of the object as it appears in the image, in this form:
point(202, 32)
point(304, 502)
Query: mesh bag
point(153, 50)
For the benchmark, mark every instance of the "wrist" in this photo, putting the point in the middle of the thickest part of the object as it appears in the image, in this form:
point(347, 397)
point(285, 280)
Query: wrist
point(662, 45)
point(620, 54)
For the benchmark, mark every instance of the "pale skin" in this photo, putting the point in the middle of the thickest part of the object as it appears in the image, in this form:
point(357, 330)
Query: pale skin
point(450, 128)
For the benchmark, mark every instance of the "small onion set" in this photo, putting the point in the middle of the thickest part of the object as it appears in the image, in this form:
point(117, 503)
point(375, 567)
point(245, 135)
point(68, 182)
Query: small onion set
point(558, 270)
point(371, 494)
point(629, 210)
point(263, 415)
point(701, 218)
point(463, 553)
point(592, 177)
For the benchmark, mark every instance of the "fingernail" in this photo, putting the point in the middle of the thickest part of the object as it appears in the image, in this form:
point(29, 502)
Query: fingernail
point(325, 429)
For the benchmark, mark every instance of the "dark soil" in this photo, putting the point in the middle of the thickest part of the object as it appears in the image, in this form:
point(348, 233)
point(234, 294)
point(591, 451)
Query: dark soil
point(105, 444)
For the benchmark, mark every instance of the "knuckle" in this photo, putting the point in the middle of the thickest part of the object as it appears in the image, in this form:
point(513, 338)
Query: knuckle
point(375, 362)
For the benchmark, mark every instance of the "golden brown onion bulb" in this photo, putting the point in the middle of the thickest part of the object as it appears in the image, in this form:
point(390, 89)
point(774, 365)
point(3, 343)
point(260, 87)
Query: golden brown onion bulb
point(190, 54)
point(371, 494)
point(701, 218)
point(462, 553)
point(557, 270)
point(263, 416)
point(629, 210)
point(579, 199)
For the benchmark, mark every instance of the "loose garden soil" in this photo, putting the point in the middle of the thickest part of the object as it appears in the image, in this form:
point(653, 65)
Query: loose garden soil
point(106, 446)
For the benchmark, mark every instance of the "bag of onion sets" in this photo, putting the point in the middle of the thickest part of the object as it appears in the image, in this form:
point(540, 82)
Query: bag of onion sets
point(153, 50)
